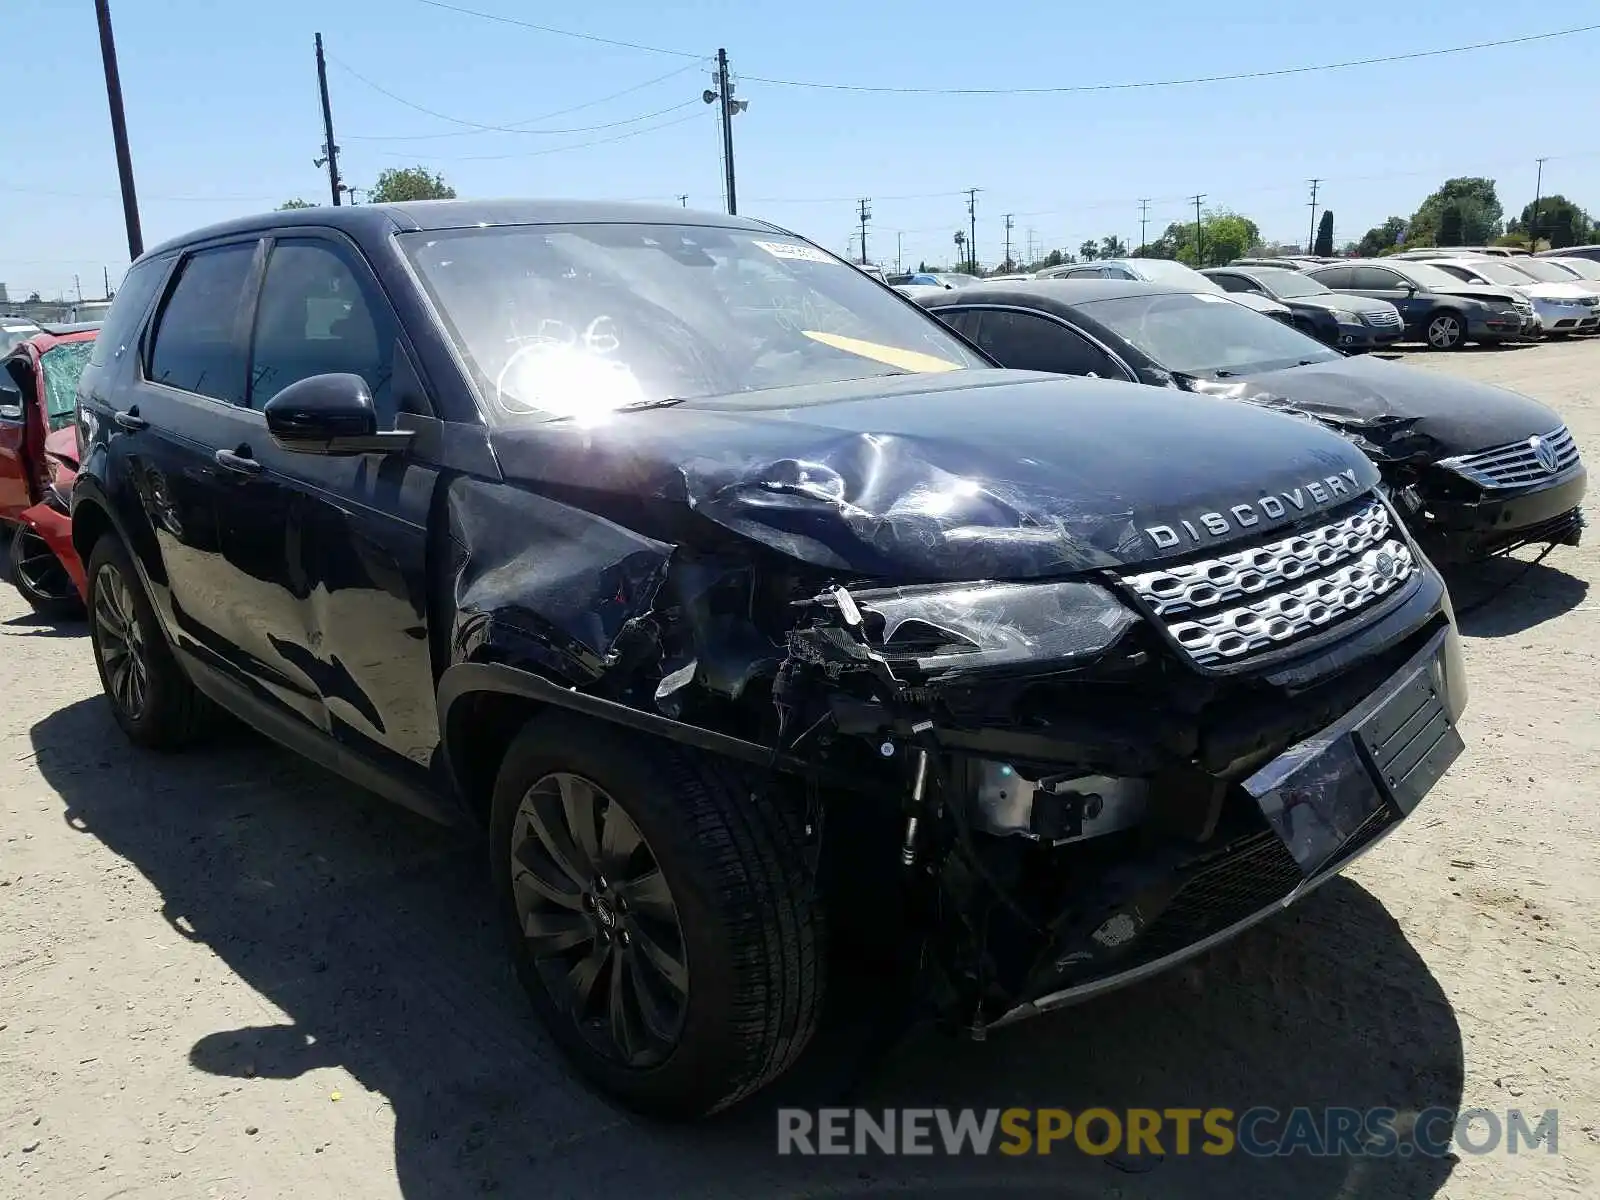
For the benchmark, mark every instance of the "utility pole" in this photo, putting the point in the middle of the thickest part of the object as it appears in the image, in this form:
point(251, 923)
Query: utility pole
point(1144, 220)
point(77, 286)
point(1199, 241)
point(972, 229)
point(683, 199)
point(330, 152)
point(1538, 194)
point(106, 272)
point(119, 129)
point(899, 267)
point(1033, 247)
point(730, 106)
point(864, 212)
point(1008, 263)
point(1311, 241)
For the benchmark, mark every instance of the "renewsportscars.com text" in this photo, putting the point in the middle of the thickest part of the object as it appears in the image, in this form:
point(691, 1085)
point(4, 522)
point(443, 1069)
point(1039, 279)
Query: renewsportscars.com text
point(1259, 1132)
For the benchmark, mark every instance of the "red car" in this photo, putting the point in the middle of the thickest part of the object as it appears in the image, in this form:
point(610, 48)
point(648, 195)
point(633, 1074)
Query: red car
point(38, 460)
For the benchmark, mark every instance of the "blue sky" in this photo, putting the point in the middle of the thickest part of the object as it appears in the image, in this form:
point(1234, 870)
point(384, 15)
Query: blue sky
point(223, 113)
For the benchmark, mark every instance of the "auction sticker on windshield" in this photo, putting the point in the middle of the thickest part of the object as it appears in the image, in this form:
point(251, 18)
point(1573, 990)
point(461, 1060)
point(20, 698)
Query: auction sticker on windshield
point(795, 252)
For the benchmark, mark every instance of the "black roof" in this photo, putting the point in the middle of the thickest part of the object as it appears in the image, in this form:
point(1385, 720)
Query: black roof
point(380, 220)
point(1059, 291)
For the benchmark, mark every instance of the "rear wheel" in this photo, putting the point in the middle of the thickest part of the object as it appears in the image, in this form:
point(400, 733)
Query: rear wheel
point(151, 697)
point(1446, 331)
point(41, 579)
point(661, 916)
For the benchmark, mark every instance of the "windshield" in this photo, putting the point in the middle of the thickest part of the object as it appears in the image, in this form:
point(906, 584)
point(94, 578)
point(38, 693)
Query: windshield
point(1542, 271)
point(575, 320)
point(1581, 267)
point(62, 365)
point(1496, 271)
point(1292, 283)
point(1164, 270)
point(1205, 334)
point(1424, 275)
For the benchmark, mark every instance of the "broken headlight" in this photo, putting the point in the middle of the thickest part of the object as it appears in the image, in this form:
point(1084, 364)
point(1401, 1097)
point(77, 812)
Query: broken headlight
point(955, 629)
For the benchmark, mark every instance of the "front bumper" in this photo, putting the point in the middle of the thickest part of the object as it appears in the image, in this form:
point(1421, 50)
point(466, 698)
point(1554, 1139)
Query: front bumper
point(1500, 327)
point(1498, 521)
point(1325, 801)
point(1561, 318)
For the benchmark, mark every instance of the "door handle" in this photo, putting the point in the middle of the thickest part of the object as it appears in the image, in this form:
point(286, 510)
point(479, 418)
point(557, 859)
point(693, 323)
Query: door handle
point(238, 460)
point(130, 419)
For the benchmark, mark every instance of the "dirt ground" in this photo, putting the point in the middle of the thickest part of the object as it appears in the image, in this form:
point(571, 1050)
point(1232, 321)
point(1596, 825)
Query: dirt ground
point(229, 975)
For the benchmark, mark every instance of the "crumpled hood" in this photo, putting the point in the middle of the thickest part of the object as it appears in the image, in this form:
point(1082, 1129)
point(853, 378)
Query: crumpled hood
point(966, 475)
point(1339, 302)
point(1488, 293)
point(1393, 411)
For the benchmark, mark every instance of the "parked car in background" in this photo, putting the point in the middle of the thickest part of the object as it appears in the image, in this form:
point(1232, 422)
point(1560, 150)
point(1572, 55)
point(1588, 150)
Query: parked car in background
point(941, 279)
point(874, 270)
point(14, 331)
point(1563, 308)
point(1293, 262)
point(1349, 323)
point(1426, 252)
point(915, 290)
point(1590, 252)
point(1587, 269)
point(38, 454)
point(1474, 470)
point(720, 614)
point(1439, 309)
point(1165, 270)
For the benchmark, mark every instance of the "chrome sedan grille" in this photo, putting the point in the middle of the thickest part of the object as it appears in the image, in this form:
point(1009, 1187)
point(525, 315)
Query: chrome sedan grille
point(1389, 319)
point(1519, 464)
point(1230, 607)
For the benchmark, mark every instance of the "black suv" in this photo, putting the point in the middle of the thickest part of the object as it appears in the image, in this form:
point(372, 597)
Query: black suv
point(734, 598)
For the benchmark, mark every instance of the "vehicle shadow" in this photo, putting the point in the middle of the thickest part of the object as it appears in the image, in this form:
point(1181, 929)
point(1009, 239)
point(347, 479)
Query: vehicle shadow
point(33, 625)
point(370, 930)
point(1504, 596)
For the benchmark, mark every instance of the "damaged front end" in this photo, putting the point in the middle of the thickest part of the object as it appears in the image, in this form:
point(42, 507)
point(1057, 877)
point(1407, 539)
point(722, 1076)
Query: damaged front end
point(1076, 808)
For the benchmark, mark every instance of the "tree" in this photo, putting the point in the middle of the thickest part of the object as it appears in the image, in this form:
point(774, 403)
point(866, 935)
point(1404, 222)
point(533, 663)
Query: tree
point(1113, 247)
point(1464, 211)
point(295, 203)
point(1089, 251)
point(1381, 237)
point(1324, 243)
point(1561, 223)
point(1054, 259)
point(1225, 236)
point(410, 183)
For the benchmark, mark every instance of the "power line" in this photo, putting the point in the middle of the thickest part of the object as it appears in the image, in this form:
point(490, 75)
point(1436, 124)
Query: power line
point(1167, 83)
point(560, 149)
point(586, 37)
point(475, 127)
point(514, 126)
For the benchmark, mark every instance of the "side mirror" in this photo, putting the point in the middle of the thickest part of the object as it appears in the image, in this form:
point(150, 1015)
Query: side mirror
point(10, 400)
point(330, 414)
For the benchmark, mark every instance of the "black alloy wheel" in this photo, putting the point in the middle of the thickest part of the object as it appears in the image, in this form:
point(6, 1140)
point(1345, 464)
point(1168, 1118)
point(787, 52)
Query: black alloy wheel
point(1446, 331)
point(119, 643)
point(40, 578)
point(599, 919)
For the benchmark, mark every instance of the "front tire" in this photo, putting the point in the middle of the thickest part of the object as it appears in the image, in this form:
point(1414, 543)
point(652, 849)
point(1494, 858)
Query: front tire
point(1447, 330)
point(40, 579)
point(661, 916)
point(150, 696)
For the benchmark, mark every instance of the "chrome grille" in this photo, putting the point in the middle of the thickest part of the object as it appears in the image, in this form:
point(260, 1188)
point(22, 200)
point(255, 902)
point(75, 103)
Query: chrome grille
point(1227, 608)
point(1383, 320)
point(1519, 464)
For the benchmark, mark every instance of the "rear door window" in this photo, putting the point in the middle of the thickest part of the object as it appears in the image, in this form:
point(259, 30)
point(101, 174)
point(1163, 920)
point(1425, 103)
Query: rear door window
point(1030, 342)
point(1376, 279)
point(197, 347)
point(1336, 278)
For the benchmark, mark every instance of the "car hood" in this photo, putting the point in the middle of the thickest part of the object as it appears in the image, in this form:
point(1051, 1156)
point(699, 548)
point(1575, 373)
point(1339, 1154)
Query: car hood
point(1262, 304)
point(1560, 291)
point(1478, 291)
point(1392, 411)
point(967, 475)
point(1336, 303)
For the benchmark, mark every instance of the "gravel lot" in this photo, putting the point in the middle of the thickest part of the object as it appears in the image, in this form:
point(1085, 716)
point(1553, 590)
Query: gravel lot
point(228, 975)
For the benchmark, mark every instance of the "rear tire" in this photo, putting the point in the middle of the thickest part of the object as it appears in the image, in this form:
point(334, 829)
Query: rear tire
point(718, 988)
point(40, 579)
point(1446, 330)
point(150, 695)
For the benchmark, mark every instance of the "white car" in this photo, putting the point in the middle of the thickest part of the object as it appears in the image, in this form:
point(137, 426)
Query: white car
point(1166, 270)
point(1563, 304)
point(1581, 268)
